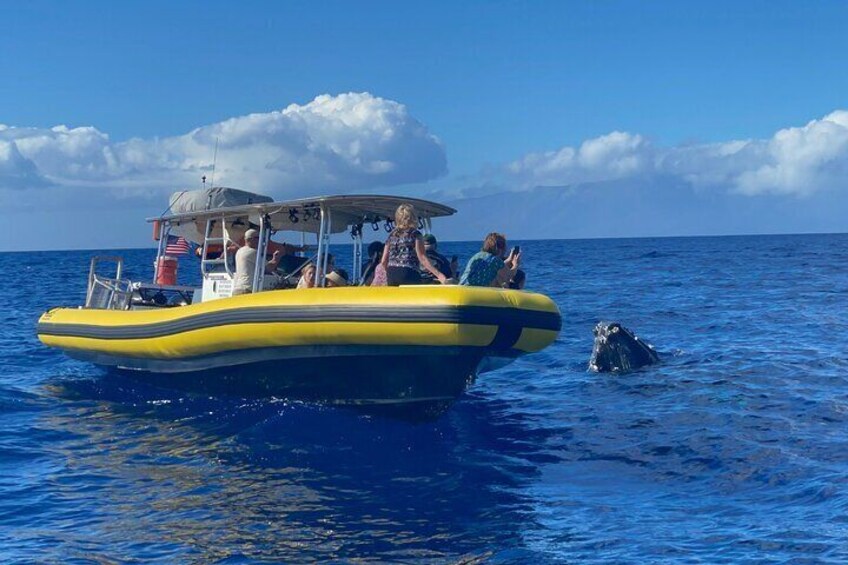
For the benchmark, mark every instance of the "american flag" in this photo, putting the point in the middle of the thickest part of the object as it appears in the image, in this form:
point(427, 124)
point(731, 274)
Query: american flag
point(177, 245)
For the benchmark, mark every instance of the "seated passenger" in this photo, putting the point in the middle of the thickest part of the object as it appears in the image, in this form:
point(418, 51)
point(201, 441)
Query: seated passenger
point(375, 253)
point(336, 278)
point(379, 278)
point(307, 276)
point(517, 281)
point(488, 267)
point(246, 263)
point(290, 264)
point(436, 259)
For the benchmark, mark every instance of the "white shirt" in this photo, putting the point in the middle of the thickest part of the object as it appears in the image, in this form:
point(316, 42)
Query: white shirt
point(245, 267)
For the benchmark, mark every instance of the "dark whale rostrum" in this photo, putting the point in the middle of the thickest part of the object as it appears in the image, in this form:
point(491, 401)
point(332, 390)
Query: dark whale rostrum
point(618, 350)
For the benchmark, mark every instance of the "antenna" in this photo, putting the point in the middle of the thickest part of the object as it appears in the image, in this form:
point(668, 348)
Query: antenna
point(214, 160)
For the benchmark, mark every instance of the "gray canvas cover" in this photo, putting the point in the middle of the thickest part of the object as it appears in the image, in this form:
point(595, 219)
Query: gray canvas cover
point(186, 201)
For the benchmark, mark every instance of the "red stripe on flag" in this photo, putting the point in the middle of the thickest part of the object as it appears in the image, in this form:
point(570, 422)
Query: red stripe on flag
point(177, 245)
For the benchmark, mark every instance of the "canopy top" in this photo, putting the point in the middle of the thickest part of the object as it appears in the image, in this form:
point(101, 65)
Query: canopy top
point(303, 214)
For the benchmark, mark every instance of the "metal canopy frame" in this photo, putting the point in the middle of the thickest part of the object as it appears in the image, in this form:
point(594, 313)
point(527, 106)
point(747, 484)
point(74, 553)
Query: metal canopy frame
point(303, 215)
point(323, 216)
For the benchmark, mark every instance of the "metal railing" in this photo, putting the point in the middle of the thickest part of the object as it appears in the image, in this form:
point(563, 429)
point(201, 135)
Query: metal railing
point(107, 293)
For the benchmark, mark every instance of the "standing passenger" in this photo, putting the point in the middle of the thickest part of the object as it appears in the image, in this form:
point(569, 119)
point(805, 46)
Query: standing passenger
point(403, 254)
point(246, 263)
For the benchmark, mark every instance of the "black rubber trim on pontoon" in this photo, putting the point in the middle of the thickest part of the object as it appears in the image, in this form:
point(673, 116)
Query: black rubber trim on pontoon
point(479, 315)
point(506, 337)
point(281, 353)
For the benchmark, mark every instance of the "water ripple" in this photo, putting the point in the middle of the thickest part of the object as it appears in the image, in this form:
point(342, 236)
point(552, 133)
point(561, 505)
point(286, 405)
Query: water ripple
point(732, 450)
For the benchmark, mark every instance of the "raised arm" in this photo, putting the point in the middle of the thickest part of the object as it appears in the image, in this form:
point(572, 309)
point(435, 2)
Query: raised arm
point(271, 265)
point(510, 266)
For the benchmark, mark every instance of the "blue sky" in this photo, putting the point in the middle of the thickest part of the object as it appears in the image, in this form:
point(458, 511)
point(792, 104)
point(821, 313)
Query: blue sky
point(492, 82)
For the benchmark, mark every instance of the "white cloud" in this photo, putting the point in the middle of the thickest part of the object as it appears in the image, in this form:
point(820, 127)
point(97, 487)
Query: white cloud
point(357, 141)
point(15, 170)
point(802, 160)
point(611, 156)
point(796, 161)
point(334, 143)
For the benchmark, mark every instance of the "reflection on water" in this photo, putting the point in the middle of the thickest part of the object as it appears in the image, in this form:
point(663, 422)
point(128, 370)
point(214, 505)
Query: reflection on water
point(220, 478)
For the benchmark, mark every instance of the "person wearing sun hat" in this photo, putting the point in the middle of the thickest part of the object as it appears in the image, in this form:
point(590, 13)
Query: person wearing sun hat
point(246, 263)
point(336, 278)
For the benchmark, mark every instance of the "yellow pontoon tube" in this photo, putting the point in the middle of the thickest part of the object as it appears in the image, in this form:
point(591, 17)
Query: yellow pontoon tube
point(429, 339)
point(288, 324)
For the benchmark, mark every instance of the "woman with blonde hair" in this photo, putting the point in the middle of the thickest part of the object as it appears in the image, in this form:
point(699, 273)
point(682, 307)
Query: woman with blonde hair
point(307, 276)
point(403, 255)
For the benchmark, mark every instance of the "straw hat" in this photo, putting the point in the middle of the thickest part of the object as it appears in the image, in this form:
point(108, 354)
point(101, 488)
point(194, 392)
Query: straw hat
point(337, 278)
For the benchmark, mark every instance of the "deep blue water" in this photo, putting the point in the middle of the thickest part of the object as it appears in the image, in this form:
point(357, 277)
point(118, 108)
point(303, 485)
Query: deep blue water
point(734, 449)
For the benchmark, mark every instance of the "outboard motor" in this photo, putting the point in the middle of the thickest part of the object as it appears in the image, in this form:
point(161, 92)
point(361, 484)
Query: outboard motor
point(618, 350)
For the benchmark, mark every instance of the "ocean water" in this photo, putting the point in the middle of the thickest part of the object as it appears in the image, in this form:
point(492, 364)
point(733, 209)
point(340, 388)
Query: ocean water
point(733, 450)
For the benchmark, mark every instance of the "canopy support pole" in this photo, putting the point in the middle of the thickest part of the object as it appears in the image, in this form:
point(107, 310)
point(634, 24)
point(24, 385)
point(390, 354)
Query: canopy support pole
point(357, 258)
point(261, 247)
point(319, 256)
point(207, 233)
point(325, 238)
point(159, 249)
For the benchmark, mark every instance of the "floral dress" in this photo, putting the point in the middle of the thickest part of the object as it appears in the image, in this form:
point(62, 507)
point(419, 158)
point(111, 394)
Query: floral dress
point(403, 259)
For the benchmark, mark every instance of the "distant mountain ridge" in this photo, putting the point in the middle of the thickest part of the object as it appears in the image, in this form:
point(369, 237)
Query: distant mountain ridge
point(655, 206)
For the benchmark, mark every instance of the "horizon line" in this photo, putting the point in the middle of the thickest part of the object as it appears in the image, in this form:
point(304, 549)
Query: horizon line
point(611, 238)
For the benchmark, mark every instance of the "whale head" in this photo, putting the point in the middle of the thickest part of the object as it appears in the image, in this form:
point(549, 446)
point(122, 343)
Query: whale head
point(618, 350)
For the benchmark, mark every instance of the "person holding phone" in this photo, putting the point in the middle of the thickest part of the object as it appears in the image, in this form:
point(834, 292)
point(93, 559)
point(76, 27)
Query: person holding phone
point(489, 267)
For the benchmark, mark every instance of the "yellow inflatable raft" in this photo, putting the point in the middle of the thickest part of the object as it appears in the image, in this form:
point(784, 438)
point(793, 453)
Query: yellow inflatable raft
point(287, 324)
point(354, 344)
